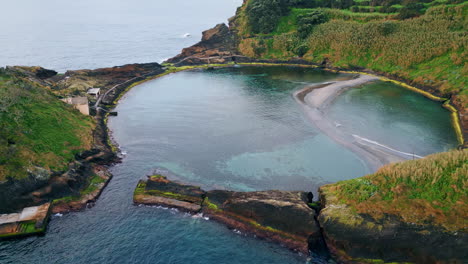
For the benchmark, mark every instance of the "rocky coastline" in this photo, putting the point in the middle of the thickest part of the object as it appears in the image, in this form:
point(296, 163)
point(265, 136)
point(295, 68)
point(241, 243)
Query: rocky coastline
point(280, 216)
point(81, 184)
point(325, 228)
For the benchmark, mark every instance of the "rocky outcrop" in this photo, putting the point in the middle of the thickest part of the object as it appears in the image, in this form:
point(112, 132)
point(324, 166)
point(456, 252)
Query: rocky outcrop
point(44, 186)
point(218, 46)
point(462, 115)
point(281, 216)
point(87, 197)
point(160, 191)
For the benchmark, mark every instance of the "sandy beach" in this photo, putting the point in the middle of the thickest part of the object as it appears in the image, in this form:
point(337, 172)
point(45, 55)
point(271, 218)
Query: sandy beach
point(314, 101)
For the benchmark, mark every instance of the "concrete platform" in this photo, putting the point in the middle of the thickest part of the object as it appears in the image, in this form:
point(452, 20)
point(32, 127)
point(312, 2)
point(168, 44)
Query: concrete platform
point(30, 221)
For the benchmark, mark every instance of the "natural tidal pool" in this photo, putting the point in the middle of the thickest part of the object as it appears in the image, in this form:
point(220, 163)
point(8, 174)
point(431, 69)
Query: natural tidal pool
point(386, 113)
point(237, 128)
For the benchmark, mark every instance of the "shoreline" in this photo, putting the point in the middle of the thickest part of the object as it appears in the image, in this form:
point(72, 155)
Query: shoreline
point(103, 134)
point(374, 155)
point(447, 103)
point(314, 101)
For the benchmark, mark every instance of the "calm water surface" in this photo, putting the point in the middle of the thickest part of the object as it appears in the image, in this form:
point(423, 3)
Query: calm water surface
point(69, 34)
point(377, 110)
point(236, 128)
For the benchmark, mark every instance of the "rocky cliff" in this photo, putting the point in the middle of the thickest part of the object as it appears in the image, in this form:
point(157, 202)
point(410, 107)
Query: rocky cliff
point(218, 46)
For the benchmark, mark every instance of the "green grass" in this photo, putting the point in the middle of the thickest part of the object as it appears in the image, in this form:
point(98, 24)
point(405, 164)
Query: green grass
point(37, 129)
point(210, 205)
point(288, 23)
point(140, 189)
point(344, 14)
point(28, 227)
point(93, 185)
point(434, 188)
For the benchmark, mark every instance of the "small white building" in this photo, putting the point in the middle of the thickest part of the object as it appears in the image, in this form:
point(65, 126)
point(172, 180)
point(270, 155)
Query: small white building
point(80, 103)
point(94, 92)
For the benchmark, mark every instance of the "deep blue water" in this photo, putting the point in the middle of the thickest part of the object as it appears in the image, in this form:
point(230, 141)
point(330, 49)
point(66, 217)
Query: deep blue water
point(87, 34)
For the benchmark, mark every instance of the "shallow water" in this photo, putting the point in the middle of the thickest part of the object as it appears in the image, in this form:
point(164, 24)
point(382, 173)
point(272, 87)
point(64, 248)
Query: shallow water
point(236, 128)
point(376, 110)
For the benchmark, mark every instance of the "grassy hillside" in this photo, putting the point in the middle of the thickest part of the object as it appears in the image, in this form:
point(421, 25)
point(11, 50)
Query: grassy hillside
point(430, 48)
point(433, 190)
point(37, 129)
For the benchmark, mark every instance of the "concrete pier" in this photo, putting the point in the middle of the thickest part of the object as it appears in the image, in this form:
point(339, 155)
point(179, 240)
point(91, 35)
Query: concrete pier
point(30, 221)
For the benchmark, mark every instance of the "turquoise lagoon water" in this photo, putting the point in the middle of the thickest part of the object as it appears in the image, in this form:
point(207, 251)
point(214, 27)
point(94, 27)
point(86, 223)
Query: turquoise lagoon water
point(235, 128)
point(386, 113)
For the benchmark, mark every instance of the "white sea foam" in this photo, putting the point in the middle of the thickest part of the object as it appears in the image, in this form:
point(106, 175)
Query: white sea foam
point(386, 147)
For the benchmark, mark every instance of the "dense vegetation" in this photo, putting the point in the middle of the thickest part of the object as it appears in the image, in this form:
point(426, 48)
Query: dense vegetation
point(433, 190)
point(429, 49)
point(37, 131)
point(264, 15)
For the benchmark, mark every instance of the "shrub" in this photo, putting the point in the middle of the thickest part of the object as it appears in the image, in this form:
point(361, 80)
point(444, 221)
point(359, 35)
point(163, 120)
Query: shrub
point(411, 10)
point(301, 50)
point(263, 15)
point(305, 23)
